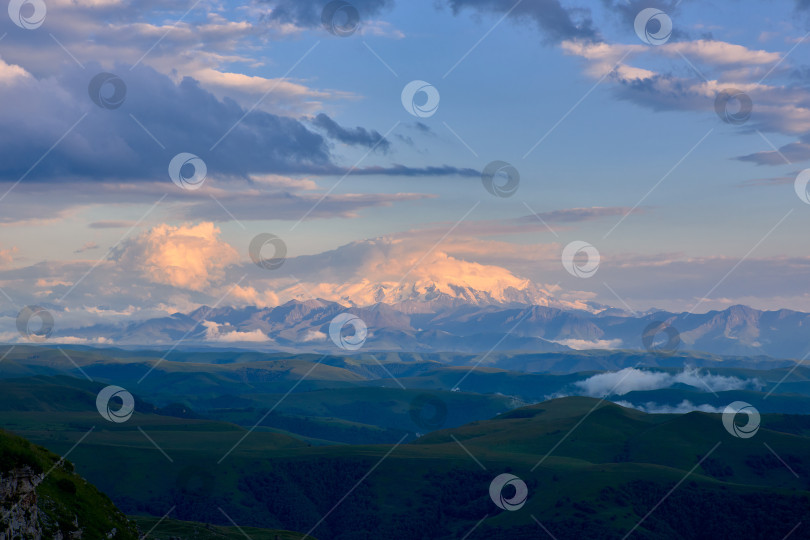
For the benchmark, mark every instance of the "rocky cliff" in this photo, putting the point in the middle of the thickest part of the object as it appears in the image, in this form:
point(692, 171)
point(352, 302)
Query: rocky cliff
point(42, 498)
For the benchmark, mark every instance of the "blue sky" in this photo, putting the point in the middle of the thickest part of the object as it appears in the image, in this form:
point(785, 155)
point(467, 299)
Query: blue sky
point(623, 124)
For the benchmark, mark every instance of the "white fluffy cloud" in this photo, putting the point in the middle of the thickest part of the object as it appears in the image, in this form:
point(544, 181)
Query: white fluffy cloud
point(226, 334)
point(583, 344)
point(683, 407)
point(187, 256)
point(631, 379)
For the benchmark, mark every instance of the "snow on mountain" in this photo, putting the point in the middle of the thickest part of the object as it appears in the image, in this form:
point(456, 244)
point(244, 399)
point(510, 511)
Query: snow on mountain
point(383, 273)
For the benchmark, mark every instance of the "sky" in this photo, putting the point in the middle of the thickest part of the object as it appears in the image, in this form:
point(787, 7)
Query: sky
point(633, 141)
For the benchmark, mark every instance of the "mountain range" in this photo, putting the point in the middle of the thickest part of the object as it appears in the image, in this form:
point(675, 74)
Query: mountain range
point(471, 327)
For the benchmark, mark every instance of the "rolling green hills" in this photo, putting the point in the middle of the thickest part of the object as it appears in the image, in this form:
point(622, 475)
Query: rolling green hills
point(593, 470)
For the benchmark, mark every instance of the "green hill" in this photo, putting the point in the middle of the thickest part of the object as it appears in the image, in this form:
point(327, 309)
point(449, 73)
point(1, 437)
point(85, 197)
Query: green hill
point(61, 501)
point(593, 470)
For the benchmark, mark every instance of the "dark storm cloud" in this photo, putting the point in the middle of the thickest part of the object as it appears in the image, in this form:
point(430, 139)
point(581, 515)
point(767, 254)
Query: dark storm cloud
point(358, 136)
point(125, 143)
point(109, 144)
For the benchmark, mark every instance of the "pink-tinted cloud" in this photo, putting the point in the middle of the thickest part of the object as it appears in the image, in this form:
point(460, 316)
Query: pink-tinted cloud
point(187, 256)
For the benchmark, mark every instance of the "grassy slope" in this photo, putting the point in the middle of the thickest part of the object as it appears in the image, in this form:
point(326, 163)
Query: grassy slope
point(63, 495)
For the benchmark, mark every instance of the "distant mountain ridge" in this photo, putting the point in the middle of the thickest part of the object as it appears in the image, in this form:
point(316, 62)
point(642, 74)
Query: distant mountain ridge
point(467, 327)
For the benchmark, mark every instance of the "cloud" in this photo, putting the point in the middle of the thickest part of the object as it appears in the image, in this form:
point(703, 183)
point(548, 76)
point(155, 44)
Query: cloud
point(584, 345)
point(204, 44)
point(402, 170)
point(556, 22)
point(314, 335)
point(7, 256)
point(721, 54)
point(619, 383)
point(291, 97)
point(778, 108)
point(358, 136)
point(772, 181)
point(307, 13)
point(562, 219)
point(228, 334)
point(683, 407)
point(274, 200)
point(105, 144)
point(578, 215)
point(248, 296)
point(87, 246)
point(187, 256)
point(137, 141)
point(790, 153)
point(111, 224)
